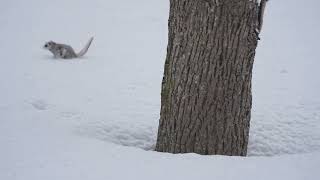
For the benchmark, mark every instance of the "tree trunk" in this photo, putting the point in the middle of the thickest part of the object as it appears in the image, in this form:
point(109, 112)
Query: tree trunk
point(206, 88)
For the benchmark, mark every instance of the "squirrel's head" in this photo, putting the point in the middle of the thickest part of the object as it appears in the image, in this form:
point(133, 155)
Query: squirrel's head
point(49, 45)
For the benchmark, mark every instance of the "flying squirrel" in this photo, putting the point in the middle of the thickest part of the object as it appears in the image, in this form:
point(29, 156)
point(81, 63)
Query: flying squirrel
point(65, 51)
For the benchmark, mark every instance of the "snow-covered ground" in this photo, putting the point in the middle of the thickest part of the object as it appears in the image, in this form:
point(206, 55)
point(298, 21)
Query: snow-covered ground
point(97, 117)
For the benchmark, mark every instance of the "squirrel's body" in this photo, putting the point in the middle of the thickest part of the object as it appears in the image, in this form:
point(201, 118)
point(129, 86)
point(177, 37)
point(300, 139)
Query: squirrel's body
point(65, 51)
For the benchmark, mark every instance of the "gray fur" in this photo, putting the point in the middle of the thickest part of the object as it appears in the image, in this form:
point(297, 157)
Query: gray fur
point(65, 51)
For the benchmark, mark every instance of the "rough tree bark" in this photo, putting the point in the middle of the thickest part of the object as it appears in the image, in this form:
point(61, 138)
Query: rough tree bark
point(206, 88)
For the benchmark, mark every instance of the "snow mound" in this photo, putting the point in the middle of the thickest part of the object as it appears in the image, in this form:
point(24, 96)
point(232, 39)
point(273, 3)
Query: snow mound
point(134, 135)
point(275, 130)
point(281, 130)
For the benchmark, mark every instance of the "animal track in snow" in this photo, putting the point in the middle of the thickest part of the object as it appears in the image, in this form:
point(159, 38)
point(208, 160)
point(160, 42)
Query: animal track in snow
point(39, 105)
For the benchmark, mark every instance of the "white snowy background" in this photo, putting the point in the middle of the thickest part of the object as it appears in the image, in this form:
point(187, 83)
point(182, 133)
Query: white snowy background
point(96, 117)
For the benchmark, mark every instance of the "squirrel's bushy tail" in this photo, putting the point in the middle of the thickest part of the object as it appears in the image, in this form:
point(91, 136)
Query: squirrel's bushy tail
point(85, 49)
